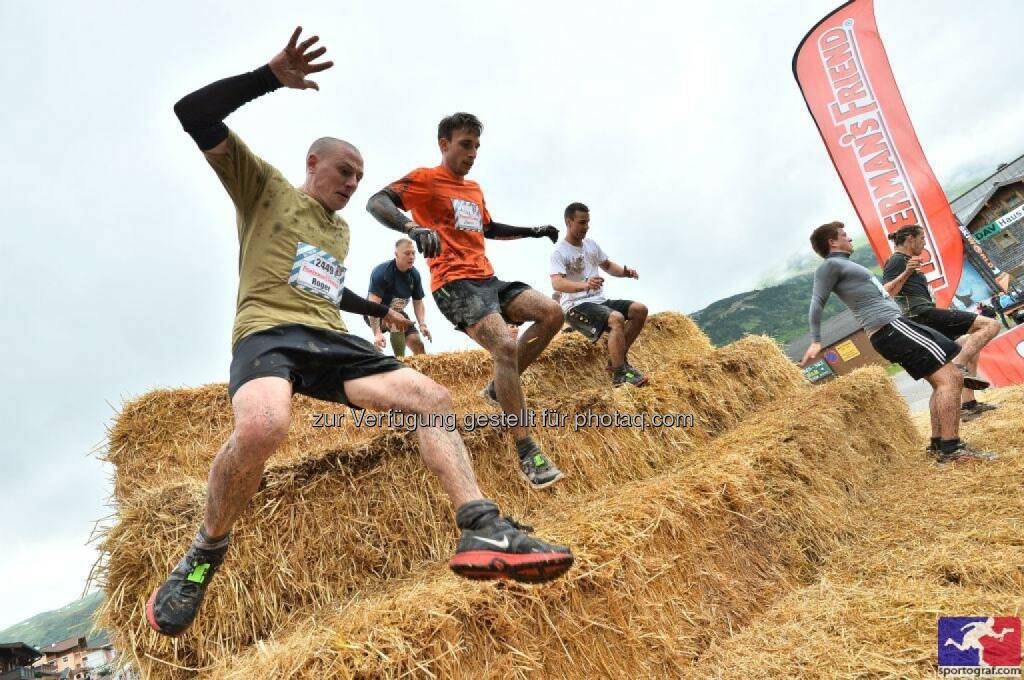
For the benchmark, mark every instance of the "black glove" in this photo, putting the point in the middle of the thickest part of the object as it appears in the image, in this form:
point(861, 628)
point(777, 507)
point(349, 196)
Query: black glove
point(549, 231)
point(427, 240)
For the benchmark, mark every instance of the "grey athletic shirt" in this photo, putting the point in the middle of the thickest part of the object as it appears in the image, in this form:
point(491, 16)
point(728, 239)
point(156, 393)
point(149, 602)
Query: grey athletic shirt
point(859, 290)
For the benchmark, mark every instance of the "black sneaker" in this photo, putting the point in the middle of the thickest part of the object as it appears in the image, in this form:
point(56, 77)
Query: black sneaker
point(488, 393)
point(173, 606)
point(502, 548)
point(538, 471)
point(972, 382)
point(627, 375)
point(965, 454)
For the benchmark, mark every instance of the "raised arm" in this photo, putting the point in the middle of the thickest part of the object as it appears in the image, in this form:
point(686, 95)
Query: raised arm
point(893, 279)
point(202, 112)
point(497, 230)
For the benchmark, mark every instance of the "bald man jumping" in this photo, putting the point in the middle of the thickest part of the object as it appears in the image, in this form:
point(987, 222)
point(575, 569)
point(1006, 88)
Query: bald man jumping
point(288, 337)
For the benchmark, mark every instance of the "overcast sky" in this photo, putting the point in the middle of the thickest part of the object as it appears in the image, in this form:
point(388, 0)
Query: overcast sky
point(680, 125)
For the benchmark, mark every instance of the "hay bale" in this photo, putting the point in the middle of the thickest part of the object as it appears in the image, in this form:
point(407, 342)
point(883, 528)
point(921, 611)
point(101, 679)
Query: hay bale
point(666, 565)
point(169, 433)
point(937, 540)
point(344, 517)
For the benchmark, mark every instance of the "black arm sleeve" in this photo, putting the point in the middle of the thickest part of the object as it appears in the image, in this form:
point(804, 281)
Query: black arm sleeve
point(350, 302)
point(202, 112)
point(499, 230)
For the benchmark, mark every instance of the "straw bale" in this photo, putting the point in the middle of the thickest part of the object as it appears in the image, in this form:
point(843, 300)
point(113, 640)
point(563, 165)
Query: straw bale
point(344, 519)
point(937, 540)
point(666, 565)
point(167, 433)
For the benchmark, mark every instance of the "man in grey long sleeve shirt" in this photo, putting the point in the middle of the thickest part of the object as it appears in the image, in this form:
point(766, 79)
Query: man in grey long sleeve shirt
point(921, 351)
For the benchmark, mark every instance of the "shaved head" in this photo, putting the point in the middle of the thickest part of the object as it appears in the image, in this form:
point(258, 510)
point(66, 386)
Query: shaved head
point(328, 145)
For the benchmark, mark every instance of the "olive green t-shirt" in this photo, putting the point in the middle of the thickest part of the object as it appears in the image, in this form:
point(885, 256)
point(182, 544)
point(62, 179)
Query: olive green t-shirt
point(291, 249)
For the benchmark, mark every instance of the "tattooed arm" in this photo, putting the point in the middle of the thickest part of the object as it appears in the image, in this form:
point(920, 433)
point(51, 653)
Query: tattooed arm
point(385, 206)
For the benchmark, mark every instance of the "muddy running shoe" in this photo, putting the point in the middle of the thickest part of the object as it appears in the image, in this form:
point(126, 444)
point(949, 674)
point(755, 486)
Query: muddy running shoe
point(965, 454)
point(968, 413)
point(173, 606)
point(496, 547)
point(972, 382)
point(627, 375)
point(536, 468)
point(488, 393)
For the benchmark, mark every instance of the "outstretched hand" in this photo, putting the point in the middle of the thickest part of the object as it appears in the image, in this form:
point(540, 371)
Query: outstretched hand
point(548, 231)
point(292, 64)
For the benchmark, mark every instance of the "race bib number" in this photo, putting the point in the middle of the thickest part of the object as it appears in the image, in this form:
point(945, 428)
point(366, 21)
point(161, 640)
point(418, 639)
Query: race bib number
point(317, 272)
point(467, 215)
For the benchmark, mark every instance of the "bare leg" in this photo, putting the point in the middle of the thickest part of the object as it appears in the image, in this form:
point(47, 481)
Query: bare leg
point(616, 339)
point(415, 343)
point(492, 334)
point(946, 383)
point(980, 334)
point(637, 319)
point(547, 317)
point(442, 451)
point(262, 416)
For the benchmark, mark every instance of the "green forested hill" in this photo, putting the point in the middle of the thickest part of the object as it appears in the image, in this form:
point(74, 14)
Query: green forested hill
point(779, 311)
point(71, 620)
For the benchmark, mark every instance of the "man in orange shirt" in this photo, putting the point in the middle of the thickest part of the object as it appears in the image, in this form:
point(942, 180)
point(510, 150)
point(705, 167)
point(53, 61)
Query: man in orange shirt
point(449, 225)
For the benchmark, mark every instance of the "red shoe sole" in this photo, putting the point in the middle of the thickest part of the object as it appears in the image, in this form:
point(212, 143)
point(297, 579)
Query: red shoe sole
point(486, 565)
point(151, 617)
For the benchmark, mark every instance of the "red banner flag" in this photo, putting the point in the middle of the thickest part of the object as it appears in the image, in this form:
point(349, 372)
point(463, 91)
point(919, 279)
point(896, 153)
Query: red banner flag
point(844, 75)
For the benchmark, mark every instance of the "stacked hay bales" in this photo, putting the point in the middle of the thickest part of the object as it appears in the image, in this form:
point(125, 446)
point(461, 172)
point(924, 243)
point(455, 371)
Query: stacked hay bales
point(349, 531)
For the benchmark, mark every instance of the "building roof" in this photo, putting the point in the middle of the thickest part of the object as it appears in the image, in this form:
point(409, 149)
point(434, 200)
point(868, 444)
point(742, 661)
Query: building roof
point(842, 325)
point(971, 201)
point(970, 213)
point(64, 645)
point(18, 650)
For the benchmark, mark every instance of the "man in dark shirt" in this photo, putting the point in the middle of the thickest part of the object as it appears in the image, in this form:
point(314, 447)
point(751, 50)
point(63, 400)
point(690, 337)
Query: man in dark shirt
point(393, 284)
point(910, 290)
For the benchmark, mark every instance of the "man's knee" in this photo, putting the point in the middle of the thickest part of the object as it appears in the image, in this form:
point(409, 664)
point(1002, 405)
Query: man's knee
point(991, 327)
point(553, 314)
point(432, 396)
point(947, 377)
point(504, 349)
point(258, 434)
point(615, 320)
point(637, 311)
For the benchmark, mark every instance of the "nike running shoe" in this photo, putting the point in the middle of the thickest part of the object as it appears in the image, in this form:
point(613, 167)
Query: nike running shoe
point(627, 375)
point(538, 471)
point(972, 382)
point(173, 606)
point(966, 454)
point(488, 393)
point(503, 548)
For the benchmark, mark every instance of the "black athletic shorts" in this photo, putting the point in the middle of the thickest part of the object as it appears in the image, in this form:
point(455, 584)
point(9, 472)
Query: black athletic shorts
point(918, 349)
point(950, 322)
point(385, 329)
point(317, 361)
point(466, 301)
point(591, 318)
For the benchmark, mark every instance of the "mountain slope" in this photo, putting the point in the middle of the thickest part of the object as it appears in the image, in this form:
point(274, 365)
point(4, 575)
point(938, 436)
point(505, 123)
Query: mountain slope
point(70, 620)
point(779, 311)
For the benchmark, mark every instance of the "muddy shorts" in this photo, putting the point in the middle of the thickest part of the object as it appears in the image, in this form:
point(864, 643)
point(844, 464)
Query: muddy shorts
point(591, 318)
point(466, 301)
point(316, 361)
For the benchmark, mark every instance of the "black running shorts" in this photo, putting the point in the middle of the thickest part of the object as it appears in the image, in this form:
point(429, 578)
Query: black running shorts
point(316, 361)
point(466, 301)
point(918, 349)
point(591, 318)
point(950, 322)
